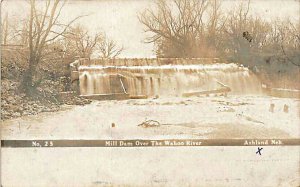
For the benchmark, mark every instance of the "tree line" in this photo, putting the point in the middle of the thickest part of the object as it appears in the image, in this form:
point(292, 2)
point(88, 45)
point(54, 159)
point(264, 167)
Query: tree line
point(180, 28)
point(44, 41)
point(200, 28)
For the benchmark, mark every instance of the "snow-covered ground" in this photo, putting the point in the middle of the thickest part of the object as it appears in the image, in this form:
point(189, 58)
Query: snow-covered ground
point(203, 117)
point(195, 117)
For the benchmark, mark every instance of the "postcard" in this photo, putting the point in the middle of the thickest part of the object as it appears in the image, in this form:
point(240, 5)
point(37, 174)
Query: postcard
point(150, 93)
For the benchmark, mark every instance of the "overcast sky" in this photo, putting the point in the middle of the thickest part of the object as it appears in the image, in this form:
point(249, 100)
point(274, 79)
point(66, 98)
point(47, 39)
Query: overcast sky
point(118, 18)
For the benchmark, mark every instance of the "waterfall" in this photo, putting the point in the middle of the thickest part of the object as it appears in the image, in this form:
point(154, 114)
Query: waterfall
point(168, 80)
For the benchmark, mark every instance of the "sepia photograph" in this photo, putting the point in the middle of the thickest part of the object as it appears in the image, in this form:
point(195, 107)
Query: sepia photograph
point(150, 93)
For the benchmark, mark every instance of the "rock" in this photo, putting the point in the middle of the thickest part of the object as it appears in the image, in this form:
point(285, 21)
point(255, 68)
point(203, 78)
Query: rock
point(13, 107)
point(16, 104)
point(25, 113)
point(44, 110)
point(272, 106)
point(20, 109)
point(10, 99)
point(286, 108)
point(16, 114)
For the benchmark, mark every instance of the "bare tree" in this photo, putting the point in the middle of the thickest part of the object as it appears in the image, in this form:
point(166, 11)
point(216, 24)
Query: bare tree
point(176, 26)
point(244, 35)
point(290, 42)
point(215, 23)
point(215, 26)
point(79, 42)
point(43, 28)
point(108, 48)
point(5, 31)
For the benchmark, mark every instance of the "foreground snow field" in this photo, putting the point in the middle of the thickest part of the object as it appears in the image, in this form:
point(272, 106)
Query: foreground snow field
point(203, 117)
point(195, 117)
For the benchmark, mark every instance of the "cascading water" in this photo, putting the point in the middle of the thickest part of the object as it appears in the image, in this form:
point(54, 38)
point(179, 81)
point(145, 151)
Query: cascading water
point(165, 80)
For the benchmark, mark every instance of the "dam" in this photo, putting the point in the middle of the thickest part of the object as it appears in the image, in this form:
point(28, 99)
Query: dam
point(143, 78)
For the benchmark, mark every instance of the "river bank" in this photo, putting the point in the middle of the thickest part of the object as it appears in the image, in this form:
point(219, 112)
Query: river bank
point(15, 104)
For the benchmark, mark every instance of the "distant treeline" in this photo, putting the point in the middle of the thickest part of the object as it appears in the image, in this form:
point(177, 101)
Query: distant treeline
point(198, 28)
point(195, 28)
